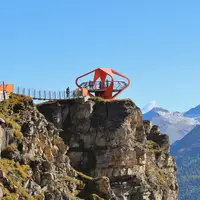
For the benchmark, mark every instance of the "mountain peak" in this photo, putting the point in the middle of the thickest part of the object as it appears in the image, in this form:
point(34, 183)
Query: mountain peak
point(189, 142)
point(193, 112)
point(157, 109)
point(175, 124)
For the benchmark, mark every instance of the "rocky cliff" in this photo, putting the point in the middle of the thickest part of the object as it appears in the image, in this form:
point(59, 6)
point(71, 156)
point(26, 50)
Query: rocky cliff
point(34, 164)
point(109, 139)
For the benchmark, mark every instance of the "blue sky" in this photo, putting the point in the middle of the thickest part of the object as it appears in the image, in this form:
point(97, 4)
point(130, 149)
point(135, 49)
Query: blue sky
point(47, 44)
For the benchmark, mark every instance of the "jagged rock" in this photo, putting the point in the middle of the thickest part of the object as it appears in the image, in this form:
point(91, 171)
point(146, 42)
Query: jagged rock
point(28, 128)
point(147, 126)
point(11, 152)
point(47, 166)
point(6, 136)
point(46, 179)
point(154, 133)
point(102, 185)
point(49, 196)
point(32, 187)
point(108, 140)
point(35, 143)
point(111, 139)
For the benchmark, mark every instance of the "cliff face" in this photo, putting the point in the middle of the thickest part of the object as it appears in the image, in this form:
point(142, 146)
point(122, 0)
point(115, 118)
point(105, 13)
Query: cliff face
point(110, 139)
point(34, 164)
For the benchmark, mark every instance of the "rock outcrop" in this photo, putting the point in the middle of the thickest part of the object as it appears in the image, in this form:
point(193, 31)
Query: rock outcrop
point(34, 162)
point(76, 149)
point(108, 140)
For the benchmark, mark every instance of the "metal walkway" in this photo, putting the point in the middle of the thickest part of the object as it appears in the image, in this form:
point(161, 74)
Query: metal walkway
point(117, 85)
point(47, 94)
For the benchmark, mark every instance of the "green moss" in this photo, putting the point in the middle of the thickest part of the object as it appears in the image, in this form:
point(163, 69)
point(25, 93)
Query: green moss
point(40, 196)
point(8, 195)
point(153, 172)
point(20, 173)
point(151, 144)
point(18, 99)
point(71, 197)
point(100, 99)
point(15, 103)
point(96, 197)
point(11, 147)
point(23, 170)
point(82, 175)
point(11, 119)
point(7, 165)
point(97, 99)
point(9, 151)
point(153, 147)
point(138, 144)
point(80, 183)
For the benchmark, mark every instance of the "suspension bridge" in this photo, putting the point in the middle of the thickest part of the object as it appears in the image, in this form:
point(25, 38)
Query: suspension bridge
point(38, 94)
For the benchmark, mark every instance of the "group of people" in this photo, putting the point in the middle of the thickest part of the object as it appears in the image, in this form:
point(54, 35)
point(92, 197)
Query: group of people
point(102, 84)
point(92, 84)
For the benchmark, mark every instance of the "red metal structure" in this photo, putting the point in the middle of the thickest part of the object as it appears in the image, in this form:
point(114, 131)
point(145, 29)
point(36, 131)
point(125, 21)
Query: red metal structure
point(103, 83)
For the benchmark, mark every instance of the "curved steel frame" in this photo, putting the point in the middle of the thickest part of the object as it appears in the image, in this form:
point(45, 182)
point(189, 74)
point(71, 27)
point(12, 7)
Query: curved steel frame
point(102, 73)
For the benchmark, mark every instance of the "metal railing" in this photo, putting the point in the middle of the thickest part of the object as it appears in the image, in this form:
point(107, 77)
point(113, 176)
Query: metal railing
point(118, 85)
point(47, 94)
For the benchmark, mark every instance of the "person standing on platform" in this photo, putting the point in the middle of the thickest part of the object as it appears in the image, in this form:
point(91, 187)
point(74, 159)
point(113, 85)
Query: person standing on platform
point(68, 92)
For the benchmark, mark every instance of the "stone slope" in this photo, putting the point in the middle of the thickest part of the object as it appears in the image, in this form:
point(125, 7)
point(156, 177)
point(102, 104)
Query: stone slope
point(33, 163)
point(109, 138)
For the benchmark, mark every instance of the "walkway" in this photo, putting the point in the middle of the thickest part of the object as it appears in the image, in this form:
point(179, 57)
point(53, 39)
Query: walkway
point(46, 94)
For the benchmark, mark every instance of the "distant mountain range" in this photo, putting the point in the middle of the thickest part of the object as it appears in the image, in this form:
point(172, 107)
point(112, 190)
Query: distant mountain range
point(175, 124)
point(187, 154)
point(184, 132)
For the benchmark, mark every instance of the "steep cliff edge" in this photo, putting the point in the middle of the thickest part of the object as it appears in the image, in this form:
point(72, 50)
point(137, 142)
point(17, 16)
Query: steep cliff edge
point(110, 139)
point(34, 164)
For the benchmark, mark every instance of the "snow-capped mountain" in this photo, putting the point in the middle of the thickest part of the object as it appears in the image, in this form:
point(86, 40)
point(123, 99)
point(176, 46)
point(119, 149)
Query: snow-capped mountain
point(155, 112)
point(175, 124)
